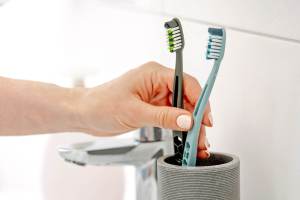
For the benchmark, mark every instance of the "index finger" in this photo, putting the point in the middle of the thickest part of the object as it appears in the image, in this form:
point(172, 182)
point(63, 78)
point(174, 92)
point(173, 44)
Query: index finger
point(191, 90)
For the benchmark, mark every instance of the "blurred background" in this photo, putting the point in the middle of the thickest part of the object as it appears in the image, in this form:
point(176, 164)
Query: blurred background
point(255, 102)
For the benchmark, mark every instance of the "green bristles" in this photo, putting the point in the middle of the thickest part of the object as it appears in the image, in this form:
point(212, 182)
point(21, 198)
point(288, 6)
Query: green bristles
point(171, 49)
point(175, 37)
point(173, 43)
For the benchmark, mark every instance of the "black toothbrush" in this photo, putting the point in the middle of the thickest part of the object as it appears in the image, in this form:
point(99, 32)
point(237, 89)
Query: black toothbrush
point(176, 44)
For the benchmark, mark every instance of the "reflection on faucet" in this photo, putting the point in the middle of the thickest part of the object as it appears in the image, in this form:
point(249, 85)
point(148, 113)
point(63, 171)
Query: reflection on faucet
point(150, 134)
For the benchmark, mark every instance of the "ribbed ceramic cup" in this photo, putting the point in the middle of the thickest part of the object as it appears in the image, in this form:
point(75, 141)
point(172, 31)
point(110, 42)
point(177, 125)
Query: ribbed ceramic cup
point(217, 178)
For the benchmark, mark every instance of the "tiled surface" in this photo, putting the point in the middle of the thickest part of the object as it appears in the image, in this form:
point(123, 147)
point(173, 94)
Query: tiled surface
point(278, 18)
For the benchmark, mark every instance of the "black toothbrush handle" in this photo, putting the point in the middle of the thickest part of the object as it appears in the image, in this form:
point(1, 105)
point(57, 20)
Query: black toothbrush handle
point(179, 137)
point(176, 44)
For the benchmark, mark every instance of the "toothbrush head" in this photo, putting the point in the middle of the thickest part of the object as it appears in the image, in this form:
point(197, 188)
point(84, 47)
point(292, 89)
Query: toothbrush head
point(174, 35)
point(216, 43)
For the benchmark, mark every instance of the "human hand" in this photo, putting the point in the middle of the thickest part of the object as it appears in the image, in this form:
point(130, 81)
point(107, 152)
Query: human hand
point(141, 97)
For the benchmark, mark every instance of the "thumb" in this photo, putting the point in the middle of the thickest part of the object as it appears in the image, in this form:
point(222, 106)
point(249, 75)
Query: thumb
point(166, 117)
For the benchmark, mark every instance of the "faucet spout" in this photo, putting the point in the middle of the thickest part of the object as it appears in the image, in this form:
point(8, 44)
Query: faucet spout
point(141, 152)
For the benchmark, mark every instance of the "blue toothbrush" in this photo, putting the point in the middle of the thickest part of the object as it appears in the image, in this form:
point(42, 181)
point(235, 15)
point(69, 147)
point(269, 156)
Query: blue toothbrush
point(215, 51)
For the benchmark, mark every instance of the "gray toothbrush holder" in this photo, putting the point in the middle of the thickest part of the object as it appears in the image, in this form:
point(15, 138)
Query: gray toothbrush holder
point(217, 178)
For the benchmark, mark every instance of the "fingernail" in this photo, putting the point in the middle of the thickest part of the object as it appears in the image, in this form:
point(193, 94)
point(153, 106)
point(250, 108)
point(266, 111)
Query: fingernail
point(184, 121)
point(210, 118)
point(207, 145)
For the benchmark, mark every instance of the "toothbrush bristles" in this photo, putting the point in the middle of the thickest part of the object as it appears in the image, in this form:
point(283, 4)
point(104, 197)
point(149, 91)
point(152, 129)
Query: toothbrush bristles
point(174, 39)
point(215, 43)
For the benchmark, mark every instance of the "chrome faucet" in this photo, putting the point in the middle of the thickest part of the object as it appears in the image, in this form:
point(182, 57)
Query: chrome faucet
point(140, 151)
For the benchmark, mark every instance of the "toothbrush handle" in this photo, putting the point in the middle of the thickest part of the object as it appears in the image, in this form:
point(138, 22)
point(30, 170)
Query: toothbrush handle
point(211, 81)
point(178, 82)
point(191, 145)
point(177, 101)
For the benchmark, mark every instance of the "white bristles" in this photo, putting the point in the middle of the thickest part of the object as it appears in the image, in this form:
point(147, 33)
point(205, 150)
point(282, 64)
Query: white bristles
point(213, 54)
point(175, 28)
point(177, 45)
point(174, 36)
point(176, 48)
point(177, 41)
point(216, 37)
point(215, 44)
point(216, 40)
point(209, 57)
point(177, 38)
point(213, 51)
point(214, 47)
point(177, 31)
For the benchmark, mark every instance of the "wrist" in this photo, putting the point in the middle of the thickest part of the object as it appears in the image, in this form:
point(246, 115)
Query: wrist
point(77, 110)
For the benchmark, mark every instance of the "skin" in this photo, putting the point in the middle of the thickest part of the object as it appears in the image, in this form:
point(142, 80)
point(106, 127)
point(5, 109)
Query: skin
point(140, 97)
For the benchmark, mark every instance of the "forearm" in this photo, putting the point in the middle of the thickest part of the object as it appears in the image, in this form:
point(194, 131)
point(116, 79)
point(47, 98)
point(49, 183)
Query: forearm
point(28, 107)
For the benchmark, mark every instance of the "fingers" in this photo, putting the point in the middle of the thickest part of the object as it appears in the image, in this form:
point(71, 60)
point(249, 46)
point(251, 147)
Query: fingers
point(203, 154)
point(203, 145)
point(165, 117)
point(163, 77)
point(207, 118)
point(174, 118)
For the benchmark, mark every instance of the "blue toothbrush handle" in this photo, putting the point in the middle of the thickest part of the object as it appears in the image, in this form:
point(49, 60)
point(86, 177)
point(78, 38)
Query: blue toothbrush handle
point(191, 144)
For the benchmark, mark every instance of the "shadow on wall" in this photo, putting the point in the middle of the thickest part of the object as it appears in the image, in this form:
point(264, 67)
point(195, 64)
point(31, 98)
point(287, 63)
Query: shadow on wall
point(62, 180)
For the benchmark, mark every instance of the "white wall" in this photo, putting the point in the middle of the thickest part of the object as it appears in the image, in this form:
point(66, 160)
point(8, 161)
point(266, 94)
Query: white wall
point(255, 102)
point(55, 41)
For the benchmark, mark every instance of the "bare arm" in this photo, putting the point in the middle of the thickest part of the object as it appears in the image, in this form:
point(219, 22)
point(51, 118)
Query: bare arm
point(141, 97)
point(28, 107)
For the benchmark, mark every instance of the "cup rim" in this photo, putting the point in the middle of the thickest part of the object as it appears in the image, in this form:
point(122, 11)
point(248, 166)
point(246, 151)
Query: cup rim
point(231, 164)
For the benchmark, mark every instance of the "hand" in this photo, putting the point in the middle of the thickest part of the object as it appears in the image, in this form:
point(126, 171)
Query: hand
point(141, 97)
